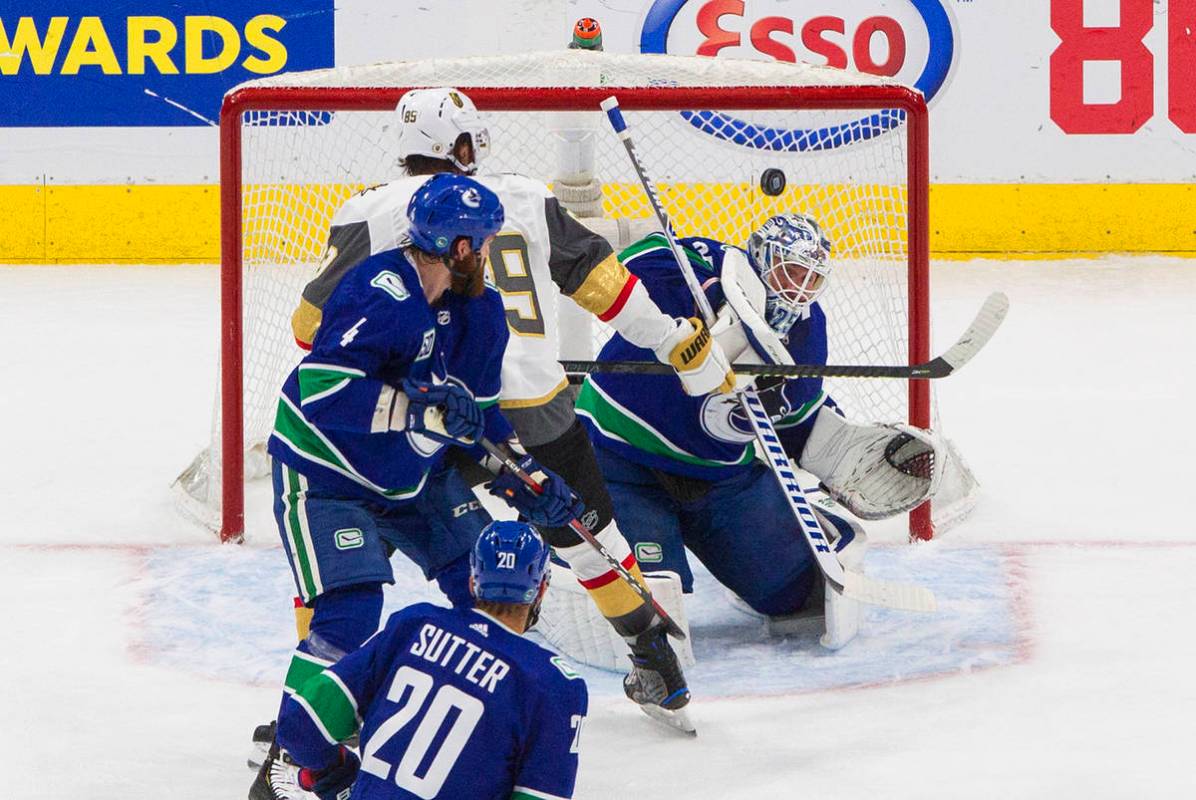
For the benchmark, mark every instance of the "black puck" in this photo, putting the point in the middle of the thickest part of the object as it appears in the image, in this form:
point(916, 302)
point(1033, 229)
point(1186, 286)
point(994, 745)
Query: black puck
point(772, 181)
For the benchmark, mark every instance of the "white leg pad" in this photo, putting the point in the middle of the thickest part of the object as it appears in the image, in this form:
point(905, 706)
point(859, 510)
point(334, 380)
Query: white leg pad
point(842, 619)
point(570, 621)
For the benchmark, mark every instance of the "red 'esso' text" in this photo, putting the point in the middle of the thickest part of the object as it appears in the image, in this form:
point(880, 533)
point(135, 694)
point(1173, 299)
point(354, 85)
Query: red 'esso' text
point(876, 45)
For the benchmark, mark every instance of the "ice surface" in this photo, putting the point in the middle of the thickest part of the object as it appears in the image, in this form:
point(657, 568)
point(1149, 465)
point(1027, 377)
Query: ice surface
point(1060, 664)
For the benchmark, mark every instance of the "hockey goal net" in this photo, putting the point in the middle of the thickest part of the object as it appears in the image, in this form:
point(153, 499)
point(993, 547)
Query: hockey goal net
point(852, 150)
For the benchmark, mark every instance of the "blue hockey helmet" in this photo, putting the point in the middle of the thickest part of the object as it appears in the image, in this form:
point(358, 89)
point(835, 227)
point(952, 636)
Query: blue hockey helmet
point(447, 207)
point(791, 255)
point(508, 563)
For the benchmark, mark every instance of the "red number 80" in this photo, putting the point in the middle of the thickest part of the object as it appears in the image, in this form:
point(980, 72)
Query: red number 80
point(1122, 44)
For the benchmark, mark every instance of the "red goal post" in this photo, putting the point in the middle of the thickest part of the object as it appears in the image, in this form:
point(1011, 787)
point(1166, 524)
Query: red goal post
point(345, 99)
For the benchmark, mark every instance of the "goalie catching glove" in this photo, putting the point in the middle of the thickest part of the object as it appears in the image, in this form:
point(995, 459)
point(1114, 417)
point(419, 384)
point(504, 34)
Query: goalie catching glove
point(699, 361)
point(875, 471)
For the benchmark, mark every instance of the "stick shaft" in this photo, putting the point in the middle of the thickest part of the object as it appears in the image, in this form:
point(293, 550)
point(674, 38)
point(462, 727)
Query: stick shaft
point(581, 530)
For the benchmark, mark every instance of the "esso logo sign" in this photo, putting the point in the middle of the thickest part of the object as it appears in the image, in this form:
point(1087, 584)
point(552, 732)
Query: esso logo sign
point(912, 41)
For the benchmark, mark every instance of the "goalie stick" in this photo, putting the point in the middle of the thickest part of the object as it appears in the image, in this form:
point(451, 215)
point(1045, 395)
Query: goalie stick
point(581, 530)
point(987, 320)
point(854, 585)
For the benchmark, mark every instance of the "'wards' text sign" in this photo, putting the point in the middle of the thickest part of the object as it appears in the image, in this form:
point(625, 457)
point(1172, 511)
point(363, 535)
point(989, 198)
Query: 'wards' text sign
point(146, 63)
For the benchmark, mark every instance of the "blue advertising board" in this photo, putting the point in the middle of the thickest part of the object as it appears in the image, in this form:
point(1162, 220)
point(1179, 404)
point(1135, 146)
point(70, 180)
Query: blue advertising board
point(67, 63)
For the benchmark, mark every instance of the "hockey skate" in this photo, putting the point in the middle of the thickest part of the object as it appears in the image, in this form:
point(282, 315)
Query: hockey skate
point(277, 777)
point(263, 741)
point(656, 682)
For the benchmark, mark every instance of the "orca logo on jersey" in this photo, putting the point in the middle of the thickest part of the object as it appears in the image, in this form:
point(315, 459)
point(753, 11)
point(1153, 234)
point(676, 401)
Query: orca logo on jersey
point(722, 418)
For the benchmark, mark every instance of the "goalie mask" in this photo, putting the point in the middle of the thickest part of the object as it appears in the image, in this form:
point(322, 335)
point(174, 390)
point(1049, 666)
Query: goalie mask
point(432, 120)
point(791, 254)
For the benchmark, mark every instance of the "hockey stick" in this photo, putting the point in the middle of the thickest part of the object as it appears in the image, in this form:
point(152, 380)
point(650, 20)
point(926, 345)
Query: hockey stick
point(987, 320)
point(581, 530)
point(855, 586)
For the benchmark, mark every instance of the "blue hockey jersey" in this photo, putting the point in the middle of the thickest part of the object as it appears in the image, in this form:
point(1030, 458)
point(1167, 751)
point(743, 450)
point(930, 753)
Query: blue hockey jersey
point(650, 420)
point(332, 423)
point(452, 704)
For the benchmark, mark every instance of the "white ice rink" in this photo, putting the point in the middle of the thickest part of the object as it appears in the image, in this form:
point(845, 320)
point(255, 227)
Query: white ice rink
point(138, 654)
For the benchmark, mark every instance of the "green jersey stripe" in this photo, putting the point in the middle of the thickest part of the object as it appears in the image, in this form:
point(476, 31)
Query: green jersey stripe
point(317, 381)
point(800, 415)
point(332, 709)
point(524, 793)
point(658, 241)
point(300, 553)
point(303, 667)
point(618, 423)
point(293, 430)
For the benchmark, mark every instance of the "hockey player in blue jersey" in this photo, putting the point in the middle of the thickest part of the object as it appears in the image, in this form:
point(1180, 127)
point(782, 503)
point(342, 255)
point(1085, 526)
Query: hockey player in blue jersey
point(451, 703)
point(405, 366)
point(682, 470)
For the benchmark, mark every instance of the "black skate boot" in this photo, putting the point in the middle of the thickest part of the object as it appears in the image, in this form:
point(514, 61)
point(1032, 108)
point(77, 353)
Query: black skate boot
point(277, 777)
point(656, 682)
point(263, 740)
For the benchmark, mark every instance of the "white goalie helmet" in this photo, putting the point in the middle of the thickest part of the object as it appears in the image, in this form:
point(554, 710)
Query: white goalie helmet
point(791, 255)
point(431, 121)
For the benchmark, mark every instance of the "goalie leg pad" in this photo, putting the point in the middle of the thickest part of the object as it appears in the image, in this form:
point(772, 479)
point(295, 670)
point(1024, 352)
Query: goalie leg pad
point(573, 624)
point(874, 470)
point(842, 614)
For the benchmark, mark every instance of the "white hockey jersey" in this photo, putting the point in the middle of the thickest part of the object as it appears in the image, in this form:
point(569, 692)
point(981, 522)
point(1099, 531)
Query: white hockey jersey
point(540, 253)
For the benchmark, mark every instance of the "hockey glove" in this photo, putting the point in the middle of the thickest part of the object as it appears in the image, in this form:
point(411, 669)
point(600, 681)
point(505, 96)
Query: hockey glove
point(334, 782)
point(444, 412)
point(698, 360)
point(556, 505)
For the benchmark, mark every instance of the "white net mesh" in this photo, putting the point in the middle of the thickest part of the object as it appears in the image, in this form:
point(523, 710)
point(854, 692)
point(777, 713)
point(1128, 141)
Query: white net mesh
point(847, 169)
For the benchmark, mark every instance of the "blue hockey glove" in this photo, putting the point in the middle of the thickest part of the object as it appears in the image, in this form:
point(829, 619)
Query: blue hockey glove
point(444, 412)
point(334, 782)
point(555, 507)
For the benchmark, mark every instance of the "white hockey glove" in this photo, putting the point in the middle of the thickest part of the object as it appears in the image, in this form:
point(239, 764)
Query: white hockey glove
point(875, 471)
point(698, 360)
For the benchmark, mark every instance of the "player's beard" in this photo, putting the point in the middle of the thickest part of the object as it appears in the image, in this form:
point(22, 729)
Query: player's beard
point(468, 277)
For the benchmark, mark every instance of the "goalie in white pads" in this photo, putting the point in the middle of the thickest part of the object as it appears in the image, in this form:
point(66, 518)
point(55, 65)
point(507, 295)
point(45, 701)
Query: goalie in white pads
point(542, 252)
point(682, 470)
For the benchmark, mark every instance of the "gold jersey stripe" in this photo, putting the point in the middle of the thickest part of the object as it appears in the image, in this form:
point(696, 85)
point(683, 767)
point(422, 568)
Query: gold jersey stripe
point(305, 322)
point(602, 286)
point(535, 401)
